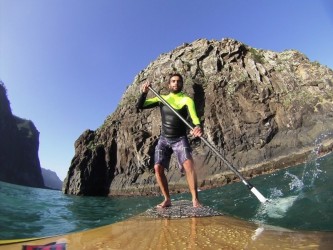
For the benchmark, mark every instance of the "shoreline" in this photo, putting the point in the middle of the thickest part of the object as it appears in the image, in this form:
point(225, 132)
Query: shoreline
point(228, 177)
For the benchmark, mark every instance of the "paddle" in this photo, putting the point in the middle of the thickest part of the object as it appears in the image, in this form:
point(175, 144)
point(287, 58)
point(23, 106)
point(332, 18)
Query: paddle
point(260, 197)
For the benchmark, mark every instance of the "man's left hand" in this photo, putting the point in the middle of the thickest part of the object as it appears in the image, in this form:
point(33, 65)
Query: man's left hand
point(196, 131)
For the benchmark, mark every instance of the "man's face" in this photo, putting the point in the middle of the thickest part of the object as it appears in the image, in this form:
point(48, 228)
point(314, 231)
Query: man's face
point(175, 84)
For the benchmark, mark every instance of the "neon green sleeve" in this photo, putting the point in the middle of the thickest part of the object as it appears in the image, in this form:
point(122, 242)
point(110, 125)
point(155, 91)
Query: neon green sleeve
point(192, 111)
point(151, 101)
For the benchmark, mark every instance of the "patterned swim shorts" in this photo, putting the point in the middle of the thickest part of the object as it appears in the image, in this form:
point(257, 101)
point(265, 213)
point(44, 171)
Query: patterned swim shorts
point(166, 146)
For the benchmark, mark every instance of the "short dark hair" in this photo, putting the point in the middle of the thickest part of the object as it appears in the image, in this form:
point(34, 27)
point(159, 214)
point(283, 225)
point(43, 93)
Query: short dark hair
point(176, 74)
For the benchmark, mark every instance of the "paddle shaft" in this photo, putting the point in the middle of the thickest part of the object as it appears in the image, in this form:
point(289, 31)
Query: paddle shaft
point(249, 185)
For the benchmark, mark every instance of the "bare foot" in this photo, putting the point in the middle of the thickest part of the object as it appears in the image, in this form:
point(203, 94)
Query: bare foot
point(196, 203)
point(165, 203)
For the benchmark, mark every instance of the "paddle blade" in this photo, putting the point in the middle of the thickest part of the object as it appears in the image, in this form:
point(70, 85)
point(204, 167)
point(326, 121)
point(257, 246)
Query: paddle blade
point(260, 197)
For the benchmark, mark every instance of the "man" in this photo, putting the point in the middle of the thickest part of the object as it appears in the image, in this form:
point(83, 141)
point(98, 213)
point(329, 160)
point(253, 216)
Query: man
point(173, 136)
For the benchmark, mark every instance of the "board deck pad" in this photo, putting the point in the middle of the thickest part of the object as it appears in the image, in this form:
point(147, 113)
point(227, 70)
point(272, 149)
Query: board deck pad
point(180, 209)
point(50, 246)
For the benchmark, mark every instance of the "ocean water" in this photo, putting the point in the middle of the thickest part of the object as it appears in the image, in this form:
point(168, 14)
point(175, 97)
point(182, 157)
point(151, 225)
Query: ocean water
point(300, 198)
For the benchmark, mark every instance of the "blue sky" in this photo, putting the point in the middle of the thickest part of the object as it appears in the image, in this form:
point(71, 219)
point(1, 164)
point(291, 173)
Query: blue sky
point(66, 63)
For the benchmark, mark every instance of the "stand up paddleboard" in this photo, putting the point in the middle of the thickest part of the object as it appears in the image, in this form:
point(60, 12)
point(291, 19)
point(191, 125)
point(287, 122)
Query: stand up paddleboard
point(180, 209)
point(218, 232)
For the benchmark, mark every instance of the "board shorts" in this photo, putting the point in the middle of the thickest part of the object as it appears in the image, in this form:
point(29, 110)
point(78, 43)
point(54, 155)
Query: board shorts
point(166, 146)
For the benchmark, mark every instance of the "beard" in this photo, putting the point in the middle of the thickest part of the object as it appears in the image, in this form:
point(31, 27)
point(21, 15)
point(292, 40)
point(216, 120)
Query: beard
point(176, 90)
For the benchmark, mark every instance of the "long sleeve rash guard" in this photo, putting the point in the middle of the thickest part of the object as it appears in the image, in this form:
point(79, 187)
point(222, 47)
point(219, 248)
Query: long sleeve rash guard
point(172, 126)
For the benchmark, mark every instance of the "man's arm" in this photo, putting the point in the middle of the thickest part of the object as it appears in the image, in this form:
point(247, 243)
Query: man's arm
point(192, 111)
point(196, 131)
point(142, 102)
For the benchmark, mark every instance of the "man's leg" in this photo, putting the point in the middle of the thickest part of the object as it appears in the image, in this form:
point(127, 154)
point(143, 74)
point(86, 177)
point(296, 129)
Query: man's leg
point(192, 181)
point(163, 183)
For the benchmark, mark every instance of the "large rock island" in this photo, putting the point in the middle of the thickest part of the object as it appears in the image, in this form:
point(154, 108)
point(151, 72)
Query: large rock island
point(19, 143)
point(263, 110)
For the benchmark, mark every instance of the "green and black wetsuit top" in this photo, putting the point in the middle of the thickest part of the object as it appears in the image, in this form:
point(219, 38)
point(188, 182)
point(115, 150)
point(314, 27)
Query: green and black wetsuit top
point(172, 126)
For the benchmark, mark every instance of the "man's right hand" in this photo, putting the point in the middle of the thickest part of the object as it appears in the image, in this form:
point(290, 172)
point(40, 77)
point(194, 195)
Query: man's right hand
point(145, 87)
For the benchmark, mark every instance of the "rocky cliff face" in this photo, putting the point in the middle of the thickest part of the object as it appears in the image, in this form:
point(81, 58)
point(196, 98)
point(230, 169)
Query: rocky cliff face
point(51, 179)
point(19, 142)
point(262, 109)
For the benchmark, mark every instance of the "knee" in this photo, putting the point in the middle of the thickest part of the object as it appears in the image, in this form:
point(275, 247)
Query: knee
point(188, 165)
point(158, 169)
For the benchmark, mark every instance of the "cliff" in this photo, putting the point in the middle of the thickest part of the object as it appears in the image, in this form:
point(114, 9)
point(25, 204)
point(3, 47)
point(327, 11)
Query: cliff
point(19, 143)
point(51, 179)
point(263, 110)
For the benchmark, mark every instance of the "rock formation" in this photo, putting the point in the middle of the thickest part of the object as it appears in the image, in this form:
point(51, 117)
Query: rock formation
point(263, 110)
point(19, 143)
point(51, 179)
